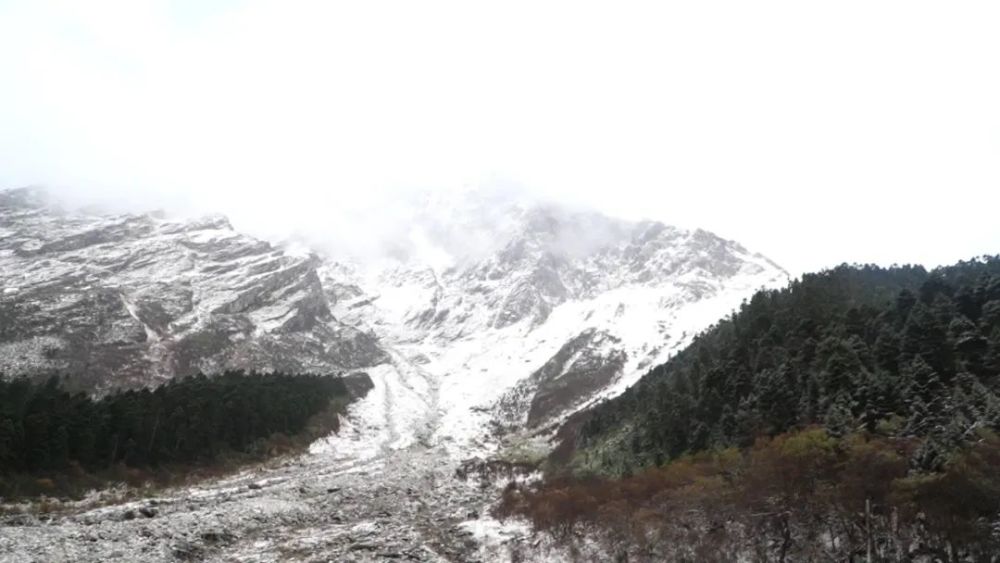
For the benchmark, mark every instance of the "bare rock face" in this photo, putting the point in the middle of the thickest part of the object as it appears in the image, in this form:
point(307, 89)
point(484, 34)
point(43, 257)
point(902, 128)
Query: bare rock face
point(583, 366)
point(116, 301)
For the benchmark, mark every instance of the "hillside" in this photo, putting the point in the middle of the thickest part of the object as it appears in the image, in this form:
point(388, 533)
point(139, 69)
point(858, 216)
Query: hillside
point(850, 415)
point(854, 347)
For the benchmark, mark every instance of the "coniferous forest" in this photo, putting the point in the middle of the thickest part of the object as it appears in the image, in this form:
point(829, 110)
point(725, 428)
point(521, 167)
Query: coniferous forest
point(850, 415)
point(46, 430)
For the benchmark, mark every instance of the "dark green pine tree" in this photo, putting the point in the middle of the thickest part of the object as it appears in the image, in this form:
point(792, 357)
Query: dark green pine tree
point(991, 359)
point(887, 348)
point(931, 455)
point(874, 398)
point(904, 304)
point(748, 422)
point(921, 419)
point(968, 302)
point(779, 398)
point(838, 419)
point(9, 442)
point(924, 381)
point(989, 320)
point(841, 369)
point(923, 336)
point(810, 402)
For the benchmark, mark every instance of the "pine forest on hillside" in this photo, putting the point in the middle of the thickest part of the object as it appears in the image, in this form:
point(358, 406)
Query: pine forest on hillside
point(851, 414)
point(47, 432)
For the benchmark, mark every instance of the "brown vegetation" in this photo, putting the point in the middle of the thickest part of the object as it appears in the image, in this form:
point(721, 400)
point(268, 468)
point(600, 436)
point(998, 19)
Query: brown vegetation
point(800, 496)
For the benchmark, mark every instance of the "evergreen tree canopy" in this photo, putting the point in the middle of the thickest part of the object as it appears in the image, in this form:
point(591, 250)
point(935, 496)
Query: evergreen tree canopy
point(44, 428)
point(853, 348)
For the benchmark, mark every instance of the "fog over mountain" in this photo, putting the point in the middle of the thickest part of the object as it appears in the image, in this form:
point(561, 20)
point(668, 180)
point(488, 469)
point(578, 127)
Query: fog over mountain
point(807, 132)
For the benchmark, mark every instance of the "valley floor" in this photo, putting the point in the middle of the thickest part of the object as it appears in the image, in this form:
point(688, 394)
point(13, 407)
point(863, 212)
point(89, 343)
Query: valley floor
point(406, 506)
point(384, 489)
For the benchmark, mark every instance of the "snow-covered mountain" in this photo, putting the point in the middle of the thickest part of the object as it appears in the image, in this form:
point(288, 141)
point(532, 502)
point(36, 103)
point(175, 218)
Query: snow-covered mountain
point(490, 315)
point(124, 300)
point(520, 313)
point(486, 321)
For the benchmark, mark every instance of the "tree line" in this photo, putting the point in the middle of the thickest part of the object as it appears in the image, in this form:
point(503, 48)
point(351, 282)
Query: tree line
point(912, 352)
point(45, 429)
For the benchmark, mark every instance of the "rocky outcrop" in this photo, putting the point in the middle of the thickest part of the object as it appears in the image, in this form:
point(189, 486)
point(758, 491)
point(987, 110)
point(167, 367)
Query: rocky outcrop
point(583, 366)
point(116, 301)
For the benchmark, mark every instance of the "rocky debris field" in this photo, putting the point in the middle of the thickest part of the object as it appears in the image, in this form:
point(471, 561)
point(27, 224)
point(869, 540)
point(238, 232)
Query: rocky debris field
point(406, 506)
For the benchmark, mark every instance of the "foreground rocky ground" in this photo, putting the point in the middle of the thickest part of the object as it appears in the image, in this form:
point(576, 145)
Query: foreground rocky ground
point(406, 505)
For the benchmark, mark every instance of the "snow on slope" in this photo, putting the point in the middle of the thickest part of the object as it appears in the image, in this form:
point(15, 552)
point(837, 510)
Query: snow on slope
point(129, 300)
point(489, 325)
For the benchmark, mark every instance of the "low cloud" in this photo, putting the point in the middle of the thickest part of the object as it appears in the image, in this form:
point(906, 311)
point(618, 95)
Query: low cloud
point(807, 133)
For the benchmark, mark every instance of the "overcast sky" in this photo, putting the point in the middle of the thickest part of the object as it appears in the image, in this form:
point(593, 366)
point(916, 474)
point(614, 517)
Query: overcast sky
point(813, 132)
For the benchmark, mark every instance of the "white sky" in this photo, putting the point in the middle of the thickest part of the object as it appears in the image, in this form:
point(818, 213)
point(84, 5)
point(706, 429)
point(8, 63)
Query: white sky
point(814, 132)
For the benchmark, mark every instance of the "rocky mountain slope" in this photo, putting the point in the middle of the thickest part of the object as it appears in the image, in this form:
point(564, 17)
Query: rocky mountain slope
point(123, 300)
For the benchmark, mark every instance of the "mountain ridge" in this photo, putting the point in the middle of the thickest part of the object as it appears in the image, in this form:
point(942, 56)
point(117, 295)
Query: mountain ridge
point(125, 300)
